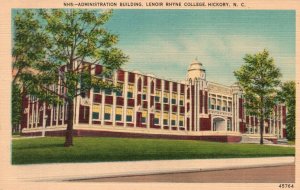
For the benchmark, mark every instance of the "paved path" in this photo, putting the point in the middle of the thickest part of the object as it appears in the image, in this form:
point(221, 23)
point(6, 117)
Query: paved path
point(273, 174)
point(74, 171)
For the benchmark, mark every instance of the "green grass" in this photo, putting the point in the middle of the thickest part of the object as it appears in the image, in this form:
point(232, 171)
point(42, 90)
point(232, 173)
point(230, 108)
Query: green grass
point(51, 150)
point(292, 142)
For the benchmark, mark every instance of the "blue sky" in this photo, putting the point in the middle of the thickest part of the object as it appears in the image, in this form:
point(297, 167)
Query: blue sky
point(165, 42)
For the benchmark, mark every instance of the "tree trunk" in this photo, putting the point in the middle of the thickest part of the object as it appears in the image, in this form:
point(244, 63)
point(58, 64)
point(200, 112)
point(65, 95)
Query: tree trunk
point(262, 121)
point(262, 130)
point(69, 131)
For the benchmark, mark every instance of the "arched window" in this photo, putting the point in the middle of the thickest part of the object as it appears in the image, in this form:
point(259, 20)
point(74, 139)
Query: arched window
point(152, 87)
point(139, 85)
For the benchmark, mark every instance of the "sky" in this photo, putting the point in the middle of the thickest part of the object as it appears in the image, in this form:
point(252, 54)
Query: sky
point(165, 42)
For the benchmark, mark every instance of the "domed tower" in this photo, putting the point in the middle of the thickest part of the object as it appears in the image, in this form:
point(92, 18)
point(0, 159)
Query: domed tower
point(196, 78)
point(195, 72)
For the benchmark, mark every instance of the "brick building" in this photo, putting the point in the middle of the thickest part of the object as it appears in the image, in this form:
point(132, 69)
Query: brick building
point(153, 107)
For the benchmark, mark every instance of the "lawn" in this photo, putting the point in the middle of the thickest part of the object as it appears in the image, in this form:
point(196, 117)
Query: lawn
point(51, 150)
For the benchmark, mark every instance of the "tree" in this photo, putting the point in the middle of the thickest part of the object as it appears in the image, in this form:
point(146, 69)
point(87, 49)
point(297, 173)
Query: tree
point(287, 95)
point(259, 79)
point(70, 37)
point(16, 107)
point(27, 52)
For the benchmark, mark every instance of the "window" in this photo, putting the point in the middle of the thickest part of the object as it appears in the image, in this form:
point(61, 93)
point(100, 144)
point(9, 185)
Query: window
point(107, 113)
point(119, 113)
point(129, 95)
point(166, 97)
point(156, 118)
point(213, 103)
point(166, 100)
point(165, 122)
point(181, 118)
point(54, 113)
point(166, 118)
point(119, 93)
point(129, 115)
point(66, 111)
point(144, 96)
point(157, 95)
point(224, 109)
point(174, 98)
point(144, 116)
point(130, 91)
point(173, 122)
point(218, 107)
point(107, 116)
point(61, 115)
point(157, 99)
point(173, 101)
point(181, 100)
point(96, 111)
point(108, 92)
point(181, 123)
point(96, 90)
point(174, 118)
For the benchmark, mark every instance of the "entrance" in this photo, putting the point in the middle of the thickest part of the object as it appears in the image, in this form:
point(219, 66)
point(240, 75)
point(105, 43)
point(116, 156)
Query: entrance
point(219, 124)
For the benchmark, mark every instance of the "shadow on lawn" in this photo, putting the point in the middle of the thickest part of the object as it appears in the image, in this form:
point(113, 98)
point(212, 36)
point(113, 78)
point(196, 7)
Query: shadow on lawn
point(38, 146)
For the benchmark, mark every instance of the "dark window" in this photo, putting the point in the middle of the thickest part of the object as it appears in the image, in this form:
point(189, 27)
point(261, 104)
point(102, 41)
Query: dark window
point(212, 107)
point(118, 117)
point(165, 122)
point(181, 102)
point(218, 107)
point(108, 92)
point(173, 101)
point(156, 121)
point(144, 96)
point(143, 120)
point(180, 123)
point(173, 122)
point(229, 110)
point(156, 98)
point(119, 93)
point(96, 90)
point(95, 115)
point(224, 109)
point(166, 100)
point(129, 95)
point(107, 116)
point(129, 118)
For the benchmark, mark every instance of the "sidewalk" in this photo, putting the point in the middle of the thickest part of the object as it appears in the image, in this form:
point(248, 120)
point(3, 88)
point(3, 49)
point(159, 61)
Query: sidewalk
point(66, 172)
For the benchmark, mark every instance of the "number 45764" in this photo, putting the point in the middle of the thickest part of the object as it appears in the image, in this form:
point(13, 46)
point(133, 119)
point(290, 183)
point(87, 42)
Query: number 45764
point(286, 185)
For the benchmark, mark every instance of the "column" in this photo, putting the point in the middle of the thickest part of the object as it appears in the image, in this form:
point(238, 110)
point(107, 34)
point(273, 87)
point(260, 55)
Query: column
point(162, 103)
point(125, 90)
point(91, 101)
point(148, 101)
point(178, 105)
point(135, 92)
point(114, 78)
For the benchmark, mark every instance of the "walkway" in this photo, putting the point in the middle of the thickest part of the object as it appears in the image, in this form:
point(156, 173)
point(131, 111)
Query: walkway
point(75, 171)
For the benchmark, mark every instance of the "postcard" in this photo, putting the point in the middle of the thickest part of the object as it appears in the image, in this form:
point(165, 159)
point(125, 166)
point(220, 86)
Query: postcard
point(149, 94)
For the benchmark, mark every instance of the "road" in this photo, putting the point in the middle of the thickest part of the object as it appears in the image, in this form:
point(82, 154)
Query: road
point(274, 174)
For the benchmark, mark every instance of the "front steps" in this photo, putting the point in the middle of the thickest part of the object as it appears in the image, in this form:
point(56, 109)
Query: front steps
point(254, 139)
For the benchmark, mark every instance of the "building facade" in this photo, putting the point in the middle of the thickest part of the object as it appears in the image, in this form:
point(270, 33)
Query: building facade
point(149, 106)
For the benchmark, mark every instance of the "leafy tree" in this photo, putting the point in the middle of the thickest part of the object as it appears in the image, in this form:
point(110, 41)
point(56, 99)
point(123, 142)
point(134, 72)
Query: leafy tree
point(27, 52)
point(259, 79)
point(16, 107)
point(69, 38)
point(287, 95)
